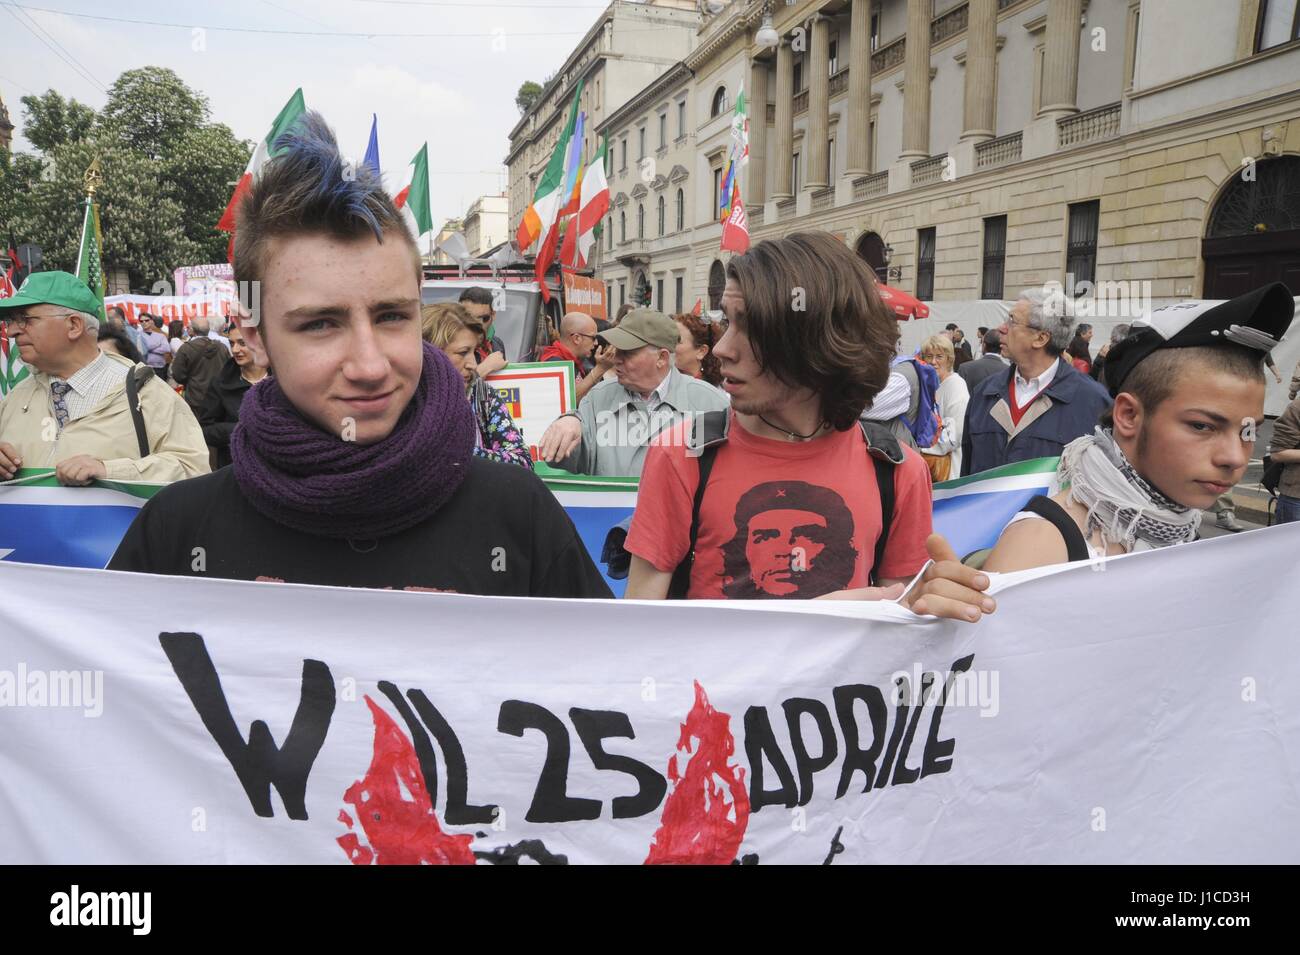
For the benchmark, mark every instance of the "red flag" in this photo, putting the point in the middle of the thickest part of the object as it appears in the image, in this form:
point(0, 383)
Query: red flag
point(7, 287)
point(570, 254)
point(735, 231)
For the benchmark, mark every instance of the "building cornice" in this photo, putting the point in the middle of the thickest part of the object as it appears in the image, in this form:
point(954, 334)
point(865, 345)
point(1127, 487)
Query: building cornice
point(741, 21)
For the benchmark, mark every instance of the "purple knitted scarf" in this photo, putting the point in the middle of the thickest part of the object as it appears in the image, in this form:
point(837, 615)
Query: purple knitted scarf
point(310, 480)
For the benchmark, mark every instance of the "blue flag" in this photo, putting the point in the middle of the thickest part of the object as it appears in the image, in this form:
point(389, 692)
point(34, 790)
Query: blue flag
point(372, 150)
point(42, 522)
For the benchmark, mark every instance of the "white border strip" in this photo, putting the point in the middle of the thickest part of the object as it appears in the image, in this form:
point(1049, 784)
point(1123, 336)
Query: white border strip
point(69, 497)
point(1019, 482)
point(596, 498)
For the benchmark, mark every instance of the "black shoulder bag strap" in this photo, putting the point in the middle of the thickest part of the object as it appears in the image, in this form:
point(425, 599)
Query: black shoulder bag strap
point(136, 377)
point(710, 431)
point(886, 454)
point(1076, 547)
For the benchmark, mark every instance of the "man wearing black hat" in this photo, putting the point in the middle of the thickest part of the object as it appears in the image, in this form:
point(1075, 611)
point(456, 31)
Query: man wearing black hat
point(616, 421)
point(1188, 384)
point(87, 414)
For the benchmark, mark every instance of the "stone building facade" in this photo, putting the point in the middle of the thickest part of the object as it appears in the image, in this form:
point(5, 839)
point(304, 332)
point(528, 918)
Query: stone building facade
point(970, 148)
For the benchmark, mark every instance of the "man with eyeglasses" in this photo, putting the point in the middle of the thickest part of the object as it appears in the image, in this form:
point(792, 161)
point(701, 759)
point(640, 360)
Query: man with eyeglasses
point(618, 420)
point(1040, 404)
point(577, 343)
point(72, 413)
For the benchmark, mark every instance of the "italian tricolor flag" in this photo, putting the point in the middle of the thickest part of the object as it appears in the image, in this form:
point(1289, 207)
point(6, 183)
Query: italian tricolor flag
point(554, 190)
point(265, 151)
point(593, 205)
point(413, 198)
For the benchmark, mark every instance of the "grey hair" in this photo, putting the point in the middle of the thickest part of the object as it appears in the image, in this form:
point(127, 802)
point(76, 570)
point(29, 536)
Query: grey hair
point(1119, 333)
point(90, 321)
point(1052, 312)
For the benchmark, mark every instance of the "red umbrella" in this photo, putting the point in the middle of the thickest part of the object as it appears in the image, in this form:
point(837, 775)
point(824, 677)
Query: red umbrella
point(904, 306)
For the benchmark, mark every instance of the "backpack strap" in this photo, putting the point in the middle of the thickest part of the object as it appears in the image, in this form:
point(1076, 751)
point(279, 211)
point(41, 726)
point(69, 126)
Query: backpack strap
point(135, 379)
point(708, 433)
point(886, 453)
point(1076, 546)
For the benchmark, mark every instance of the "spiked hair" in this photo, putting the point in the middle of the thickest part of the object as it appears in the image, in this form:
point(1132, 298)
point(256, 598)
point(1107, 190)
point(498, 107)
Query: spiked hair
point(309, 188)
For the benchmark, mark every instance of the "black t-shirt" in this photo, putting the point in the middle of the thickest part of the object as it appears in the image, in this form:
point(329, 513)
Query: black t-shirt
point(501, 534)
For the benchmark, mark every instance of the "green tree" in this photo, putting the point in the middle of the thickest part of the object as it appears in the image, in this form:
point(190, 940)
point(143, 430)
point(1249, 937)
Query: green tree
point(168, 173)
point(527, 96)
point(51, 121)
point(150, 109)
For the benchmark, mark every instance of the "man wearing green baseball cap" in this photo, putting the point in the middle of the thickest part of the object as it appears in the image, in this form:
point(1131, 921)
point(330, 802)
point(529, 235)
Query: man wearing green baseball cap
point(617, 420)
point(72, 413)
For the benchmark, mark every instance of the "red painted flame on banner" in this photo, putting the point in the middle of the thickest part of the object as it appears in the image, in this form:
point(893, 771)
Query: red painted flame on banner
point(699, 826)
point(393, 806)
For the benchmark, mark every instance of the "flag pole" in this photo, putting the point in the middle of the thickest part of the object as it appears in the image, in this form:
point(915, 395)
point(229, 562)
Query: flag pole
point(91, 180)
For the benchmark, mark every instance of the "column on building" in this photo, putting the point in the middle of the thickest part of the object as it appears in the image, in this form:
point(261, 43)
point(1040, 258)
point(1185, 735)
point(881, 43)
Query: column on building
point(859, 115)
point(756, 187)
point(1061, 58)
point(819, 101)
point(784, 121)
point(979, 113)
point(916, 82)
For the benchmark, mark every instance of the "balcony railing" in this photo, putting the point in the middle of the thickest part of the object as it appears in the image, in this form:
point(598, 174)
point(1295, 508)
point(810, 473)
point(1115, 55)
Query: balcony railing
point(823, 199)
point(771, 112)
point(800, 102)
point(1088, 127)
point(949, 24)
point(925, 171)
point(785, 208)
point(998, 152)
point(868, 187)
point(756, 214)
point(840, 82)
point(888, 56)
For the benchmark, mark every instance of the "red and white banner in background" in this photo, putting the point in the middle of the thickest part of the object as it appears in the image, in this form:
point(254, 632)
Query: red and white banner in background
point(170, 308)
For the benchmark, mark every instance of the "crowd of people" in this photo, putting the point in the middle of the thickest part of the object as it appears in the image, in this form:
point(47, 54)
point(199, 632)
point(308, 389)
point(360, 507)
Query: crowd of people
point(347, 435)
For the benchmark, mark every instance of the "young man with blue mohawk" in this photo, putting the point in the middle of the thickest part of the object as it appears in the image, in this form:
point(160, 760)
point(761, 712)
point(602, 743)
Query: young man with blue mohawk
point(352, 464)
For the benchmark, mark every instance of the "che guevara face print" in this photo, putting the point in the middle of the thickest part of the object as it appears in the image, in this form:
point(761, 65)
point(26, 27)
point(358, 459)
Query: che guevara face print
point(793, 539)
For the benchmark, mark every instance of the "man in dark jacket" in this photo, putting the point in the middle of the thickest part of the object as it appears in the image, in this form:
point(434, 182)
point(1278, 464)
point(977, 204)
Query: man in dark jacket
point(1040, 404)
point(197, 364)
point(973, 372)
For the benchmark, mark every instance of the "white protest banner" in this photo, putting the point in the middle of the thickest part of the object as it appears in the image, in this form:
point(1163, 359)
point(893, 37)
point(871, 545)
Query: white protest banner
point(535, 393)
point(1098, 716)
point(199, 281)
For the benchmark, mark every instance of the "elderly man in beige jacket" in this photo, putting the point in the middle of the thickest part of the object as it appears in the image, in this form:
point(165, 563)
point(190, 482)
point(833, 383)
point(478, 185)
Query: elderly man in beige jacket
point(72, 412)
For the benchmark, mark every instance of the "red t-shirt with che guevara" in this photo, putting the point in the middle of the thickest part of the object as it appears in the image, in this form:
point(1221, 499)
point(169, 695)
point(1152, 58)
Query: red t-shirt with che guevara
point(779, 519)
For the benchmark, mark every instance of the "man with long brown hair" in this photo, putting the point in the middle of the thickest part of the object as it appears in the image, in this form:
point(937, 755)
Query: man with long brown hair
point(798, 499)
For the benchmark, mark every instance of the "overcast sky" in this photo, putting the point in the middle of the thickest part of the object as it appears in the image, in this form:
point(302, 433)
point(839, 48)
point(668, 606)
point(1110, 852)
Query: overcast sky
point(455, 87)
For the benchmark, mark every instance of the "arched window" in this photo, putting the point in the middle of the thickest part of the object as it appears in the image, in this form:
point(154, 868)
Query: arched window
point(717, 283)
point(640, 220)
point(719, 102)
point(622, 227)
point(1268, 201)
point(663, 215)
point(681, 210)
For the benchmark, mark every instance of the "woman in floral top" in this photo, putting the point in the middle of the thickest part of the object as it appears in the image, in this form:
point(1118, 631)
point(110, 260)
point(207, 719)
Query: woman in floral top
point(448, 326)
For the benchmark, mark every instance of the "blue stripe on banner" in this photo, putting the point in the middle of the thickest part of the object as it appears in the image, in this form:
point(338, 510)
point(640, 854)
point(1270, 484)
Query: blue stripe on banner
point(66, 536)
point(593, 523)
point(972, 522)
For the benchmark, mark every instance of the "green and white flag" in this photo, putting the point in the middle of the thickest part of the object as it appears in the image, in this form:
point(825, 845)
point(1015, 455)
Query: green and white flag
point(89, 268)
point(413, 198)
point(12, 369)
